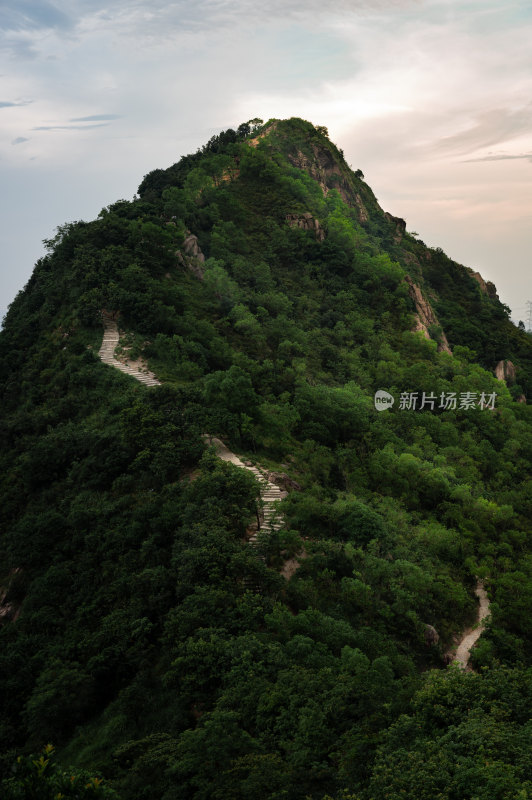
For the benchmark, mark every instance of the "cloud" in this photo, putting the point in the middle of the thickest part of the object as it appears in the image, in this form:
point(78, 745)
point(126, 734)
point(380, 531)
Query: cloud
point(95, 118)
point(19, 140)
point(32, 15)
point(490, 127)
point(409, 88)
point(500, 157)
point(20, 47)
point(69, 127)
point(14, 104)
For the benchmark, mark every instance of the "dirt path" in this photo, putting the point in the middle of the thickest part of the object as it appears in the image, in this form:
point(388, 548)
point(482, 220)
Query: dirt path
point(471, 635)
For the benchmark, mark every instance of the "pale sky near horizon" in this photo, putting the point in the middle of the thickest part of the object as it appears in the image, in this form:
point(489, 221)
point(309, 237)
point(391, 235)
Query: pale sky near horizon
point(432, 99)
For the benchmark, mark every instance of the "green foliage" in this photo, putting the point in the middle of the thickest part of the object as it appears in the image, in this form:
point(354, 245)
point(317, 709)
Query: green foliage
point(469, 737)
point(42, 778)
point(130, 635)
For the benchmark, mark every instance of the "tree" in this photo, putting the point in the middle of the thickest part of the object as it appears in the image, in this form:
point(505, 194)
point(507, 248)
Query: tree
point(234, 391)
point(42, 778)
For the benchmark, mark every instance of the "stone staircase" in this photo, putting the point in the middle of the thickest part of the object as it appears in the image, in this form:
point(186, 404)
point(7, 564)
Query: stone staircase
point(107, 353)
point(270, 518)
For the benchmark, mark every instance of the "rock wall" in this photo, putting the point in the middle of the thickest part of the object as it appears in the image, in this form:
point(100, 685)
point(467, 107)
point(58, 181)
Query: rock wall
point(486, 287)
point(399, 226)
point(190, 255)
point(481, 282)
point(505, 371)
point(425, 316)
point(254, 142)
point(322, 167)
point(308, 223)
point(363, 215)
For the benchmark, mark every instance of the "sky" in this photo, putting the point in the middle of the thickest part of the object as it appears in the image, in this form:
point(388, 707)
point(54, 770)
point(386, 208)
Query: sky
point(432, 99)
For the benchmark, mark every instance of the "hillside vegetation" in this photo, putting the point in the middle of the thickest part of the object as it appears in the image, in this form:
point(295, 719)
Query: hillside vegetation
point(272, 297)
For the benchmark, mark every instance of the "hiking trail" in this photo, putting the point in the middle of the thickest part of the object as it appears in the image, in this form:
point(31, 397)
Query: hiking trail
point(270, 493)
point(107, 353)
point(472, 635)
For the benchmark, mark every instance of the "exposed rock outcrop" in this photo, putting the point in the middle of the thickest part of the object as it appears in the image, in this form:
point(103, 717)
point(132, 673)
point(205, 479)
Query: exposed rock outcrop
point(492, 290)
point(191, 255)
point(505, 371)
point(228, 175)
point(254, 142)
point(322, 167)
point(328, 173)
point(308, 223)
point(284, 481)
point(399, 225)
point(481, 282)
point(192, 248)
point(363, 215)
point(432, 636)
point(9, 609)
point(425, 316)
point(486, 287)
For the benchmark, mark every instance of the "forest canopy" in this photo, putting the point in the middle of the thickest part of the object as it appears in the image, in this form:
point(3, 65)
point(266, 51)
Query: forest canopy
point(142, 638)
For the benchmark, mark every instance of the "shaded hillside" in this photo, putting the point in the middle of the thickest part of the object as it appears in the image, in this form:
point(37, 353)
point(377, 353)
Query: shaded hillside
point(272, 297)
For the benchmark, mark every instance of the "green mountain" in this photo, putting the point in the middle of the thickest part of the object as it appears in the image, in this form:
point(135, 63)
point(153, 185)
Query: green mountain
point(164, 626)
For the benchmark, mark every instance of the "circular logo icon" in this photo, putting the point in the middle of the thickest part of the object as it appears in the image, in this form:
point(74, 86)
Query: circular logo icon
point(383, 400)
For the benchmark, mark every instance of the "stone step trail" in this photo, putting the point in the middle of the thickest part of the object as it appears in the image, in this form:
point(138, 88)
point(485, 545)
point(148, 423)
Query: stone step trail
point(107, 353)
point(271, 494)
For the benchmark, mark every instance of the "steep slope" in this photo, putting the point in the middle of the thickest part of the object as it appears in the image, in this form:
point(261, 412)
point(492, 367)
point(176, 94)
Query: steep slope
point(272, 297)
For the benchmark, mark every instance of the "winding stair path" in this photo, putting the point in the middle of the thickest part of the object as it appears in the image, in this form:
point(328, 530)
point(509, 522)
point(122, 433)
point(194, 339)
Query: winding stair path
point(107, 353)
point(270, 492)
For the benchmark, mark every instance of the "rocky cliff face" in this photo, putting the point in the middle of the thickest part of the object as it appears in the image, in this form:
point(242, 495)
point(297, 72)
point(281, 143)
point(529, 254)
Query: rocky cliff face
point(331, 173)
point(308, 223)
point(486, 287)
point(505, 371)
point(191, 255)
point(399, 226)
point(256, 139)
point(322, 167)
point(466, 314)
point(481, 282)
point(425, 316)
point(363, 215)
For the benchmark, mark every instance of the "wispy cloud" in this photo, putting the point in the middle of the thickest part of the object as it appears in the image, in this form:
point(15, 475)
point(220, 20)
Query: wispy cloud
point(14, 103)
point(410, 89)
point(490, 127)
point(32, 14)
point(161, 20)
point(69, 127)
point(96, 118)
point(501, 157)
point(20, 140)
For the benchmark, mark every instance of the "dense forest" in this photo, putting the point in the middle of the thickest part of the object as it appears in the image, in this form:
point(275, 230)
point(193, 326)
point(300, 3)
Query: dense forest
point(147, 651)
